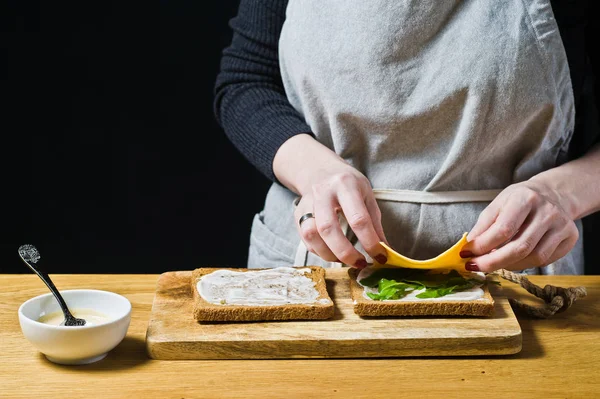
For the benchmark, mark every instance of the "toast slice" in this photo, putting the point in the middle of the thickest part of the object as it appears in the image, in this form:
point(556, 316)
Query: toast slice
point(369, 307)
point(321, 309)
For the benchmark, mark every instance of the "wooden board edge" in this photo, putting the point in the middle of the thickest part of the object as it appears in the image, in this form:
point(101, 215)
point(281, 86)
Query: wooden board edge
point(150, 345)
point(321, 349)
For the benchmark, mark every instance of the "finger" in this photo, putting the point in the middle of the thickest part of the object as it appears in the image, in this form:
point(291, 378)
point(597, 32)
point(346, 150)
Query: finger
point(566, 239)
point(542, 255)
point(359, 219)
point(510, 218)
point(518, 249)
point(308, 230)
point(563, 248)
point(554, 245)
point(328, 227)
point(313, 241)
point(375, 212)
point(485, 220)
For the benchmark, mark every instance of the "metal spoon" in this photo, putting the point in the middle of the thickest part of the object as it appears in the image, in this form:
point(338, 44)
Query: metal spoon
point(31, 257)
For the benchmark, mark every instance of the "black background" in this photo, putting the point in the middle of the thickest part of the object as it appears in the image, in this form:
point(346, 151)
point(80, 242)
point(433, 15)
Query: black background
point(111, 157)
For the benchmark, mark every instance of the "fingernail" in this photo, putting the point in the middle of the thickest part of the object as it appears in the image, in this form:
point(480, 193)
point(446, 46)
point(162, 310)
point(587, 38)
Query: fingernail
point(381, 259)
point(361, 263)
point(471, 266)
point(466, 254)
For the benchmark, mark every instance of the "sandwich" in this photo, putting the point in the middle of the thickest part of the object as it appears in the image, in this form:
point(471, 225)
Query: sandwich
point(282, 293)
point(396, 291)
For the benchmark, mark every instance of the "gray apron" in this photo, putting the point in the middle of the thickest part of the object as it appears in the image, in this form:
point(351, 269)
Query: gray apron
point(441, 104)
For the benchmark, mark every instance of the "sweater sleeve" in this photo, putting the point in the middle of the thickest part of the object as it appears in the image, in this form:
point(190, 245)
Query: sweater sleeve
point(250, 102)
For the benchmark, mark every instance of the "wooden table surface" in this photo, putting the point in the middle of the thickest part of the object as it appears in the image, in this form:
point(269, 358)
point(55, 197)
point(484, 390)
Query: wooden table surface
point(559, 358)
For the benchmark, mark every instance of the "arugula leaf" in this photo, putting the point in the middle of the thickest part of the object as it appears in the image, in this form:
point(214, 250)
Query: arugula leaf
point(440, 279)
point(453, 285)
point(397, 283)
point(375, 297)
point(457, 281)
point(415, 284)
point(426, 283)
point(390, 289)
point(439, 292)
point(436, 293)
point(397, 274)
point(392, 284)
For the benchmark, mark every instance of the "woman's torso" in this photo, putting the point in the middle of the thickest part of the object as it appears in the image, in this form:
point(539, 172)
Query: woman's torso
point(427, 96)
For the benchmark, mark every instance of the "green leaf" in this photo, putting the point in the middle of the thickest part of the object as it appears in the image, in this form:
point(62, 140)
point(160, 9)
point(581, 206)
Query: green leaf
point(390, 289)
point(390, 284)
point(396, 274)
point(423, 283)
point(440, 279)
point(415, 285)
point(455, 281)
point(376, 297)
point(397, 282)
point(438, 292)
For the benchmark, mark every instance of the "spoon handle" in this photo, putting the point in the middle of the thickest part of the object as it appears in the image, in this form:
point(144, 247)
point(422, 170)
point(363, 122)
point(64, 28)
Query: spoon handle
point(46, 279)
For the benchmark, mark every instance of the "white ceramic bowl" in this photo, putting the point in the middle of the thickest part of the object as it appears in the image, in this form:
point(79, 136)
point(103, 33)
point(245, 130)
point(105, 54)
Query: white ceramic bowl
point(76, 345)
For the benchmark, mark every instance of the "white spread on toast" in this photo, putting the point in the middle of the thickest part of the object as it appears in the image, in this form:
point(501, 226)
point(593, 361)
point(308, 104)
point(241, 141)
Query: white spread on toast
point(278, 286)
point(472, 294)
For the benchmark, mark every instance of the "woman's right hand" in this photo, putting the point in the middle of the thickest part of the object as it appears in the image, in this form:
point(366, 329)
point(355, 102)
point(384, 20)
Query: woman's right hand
point(328, 185)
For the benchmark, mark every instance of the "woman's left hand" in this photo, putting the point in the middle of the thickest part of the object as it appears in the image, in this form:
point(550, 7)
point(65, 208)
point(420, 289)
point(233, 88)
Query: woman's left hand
point(525, 226)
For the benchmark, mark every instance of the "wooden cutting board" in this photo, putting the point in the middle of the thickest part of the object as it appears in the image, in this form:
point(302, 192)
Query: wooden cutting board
point(174, 334)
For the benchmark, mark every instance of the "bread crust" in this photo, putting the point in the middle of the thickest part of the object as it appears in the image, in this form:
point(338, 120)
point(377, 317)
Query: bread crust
point(373, 308)
point(206, 311)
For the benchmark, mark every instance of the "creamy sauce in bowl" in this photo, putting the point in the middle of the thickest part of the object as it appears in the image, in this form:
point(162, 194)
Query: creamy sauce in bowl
point(91, 316)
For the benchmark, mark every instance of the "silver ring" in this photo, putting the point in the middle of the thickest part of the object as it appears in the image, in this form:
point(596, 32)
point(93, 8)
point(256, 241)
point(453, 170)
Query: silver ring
point(304, 217)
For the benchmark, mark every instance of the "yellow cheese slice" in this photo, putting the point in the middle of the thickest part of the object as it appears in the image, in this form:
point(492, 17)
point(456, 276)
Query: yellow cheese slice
point(450, 259)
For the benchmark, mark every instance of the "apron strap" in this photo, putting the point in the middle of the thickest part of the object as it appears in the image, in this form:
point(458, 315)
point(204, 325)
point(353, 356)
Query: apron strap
point(439, 197)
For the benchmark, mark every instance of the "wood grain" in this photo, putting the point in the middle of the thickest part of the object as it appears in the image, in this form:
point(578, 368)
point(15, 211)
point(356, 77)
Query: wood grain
point(560, 358)
point(173, 333)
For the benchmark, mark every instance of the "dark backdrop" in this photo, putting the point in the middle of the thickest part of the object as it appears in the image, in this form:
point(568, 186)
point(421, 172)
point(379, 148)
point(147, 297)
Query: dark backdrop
point(115, 161)
point(111, 157)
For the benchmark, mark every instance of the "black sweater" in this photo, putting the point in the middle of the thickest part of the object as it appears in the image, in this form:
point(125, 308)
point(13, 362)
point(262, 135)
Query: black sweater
point(251, 105)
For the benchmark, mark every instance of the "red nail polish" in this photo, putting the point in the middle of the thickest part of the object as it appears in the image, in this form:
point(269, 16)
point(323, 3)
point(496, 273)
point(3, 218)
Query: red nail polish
point(381, 259)
point(466, 254)
point(361, 263)
point(471, 266)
